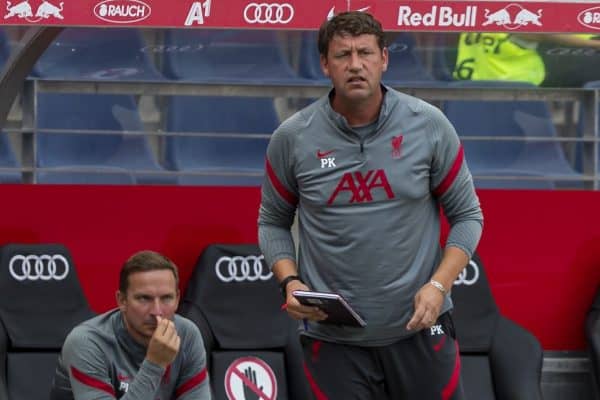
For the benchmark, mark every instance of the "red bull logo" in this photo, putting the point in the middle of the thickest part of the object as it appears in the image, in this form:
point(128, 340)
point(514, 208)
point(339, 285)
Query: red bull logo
point(590, 18)
point(513, 16)
point(25, 10)
point(122, 11)
point(438, 16)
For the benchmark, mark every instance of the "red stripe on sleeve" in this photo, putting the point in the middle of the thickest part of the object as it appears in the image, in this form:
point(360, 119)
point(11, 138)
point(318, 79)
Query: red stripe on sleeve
point(283, 192)
point(451, 176)
point(92, 382)
point(191, 383)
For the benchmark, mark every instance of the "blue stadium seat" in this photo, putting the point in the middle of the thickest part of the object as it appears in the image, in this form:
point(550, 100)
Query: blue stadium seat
point(8, 159)
point(519, 119)
point(511, 179)
point(4, 47)
point(405, 66)
point(105, 176)
point(105, 151)
point(227, 56)
point(233, 147)
point(592, 85)
point(97, 54)
point(309, 63)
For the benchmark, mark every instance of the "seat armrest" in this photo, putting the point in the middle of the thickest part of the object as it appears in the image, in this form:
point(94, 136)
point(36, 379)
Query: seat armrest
point(516, 358)
point(193, 313)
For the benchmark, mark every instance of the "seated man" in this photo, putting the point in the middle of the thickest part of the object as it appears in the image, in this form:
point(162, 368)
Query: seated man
point(141, 350)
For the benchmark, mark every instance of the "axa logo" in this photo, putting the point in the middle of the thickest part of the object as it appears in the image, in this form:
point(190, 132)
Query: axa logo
point(122, 11)
point(513, 16)
point(357, 187)
point(590, 18)
point(24, 10)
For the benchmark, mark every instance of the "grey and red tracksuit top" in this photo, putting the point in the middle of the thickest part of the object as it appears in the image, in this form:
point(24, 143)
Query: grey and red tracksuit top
point(368, 208)
point(100, 360)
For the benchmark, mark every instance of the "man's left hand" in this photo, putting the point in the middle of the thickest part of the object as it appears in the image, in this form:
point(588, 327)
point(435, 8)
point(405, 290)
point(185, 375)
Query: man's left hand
point(428, 303)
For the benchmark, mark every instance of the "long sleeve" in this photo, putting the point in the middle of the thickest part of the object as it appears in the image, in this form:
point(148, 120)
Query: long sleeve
point(192, 382)
point(279, 198)
point(90, 375)
point(453, 186)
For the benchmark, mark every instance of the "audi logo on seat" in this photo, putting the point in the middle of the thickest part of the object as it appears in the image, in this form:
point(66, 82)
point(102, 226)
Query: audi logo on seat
point(43, 267)
point(468, 278)
point(242, 268)
point(265, 13)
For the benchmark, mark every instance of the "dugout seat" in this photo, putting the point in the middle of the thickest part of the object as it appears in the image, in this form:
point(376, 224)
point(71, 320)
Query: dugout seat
point(68, 153)
point(592, 331)
point(41, 302)
point(97, 54)
point(235, 300)
point(227, 56)
point(230, 142)
point(487, 129)
point(500, 359)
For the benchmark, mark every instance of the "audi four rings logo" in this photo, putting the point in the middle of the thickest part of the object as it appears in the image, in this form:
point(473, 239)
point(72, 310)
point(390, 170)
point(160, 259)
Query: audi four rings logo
point(265, 13)
point(466, 277)
point(43, 267)
point(240, 269)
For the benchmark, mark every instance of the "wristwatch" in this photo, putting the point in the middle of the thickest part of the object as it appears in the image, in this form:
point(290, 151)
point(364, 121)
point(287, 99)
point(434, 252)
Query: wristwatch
point(283, 284)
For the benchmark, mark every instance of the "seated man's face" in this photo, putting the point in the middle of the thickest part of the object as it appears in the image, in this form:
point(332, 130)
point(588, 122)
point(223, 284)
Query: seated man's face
point(149, 294)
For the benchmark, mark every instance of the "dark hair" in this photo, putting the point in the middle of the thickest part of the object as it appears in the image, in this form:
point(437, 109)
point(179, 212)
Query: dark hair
point(142, 261)
point(353, 23)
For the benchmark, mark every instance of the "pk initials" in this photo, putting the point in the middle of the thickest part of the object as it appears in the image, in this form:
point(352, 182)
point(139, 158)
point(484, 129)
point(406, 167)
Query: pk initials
point(328, 162)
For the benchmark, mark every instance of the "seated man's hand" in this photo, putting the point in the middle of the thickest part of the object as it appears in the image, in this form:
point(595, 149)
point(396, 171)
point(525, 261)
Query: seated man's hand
point(164, 344)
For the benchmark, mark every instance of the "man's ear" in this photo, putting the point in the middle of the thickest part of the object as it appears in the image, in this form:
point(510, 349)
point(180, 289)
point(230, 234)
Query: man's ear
point(121, 299)
point(324, 65)
point(386, 57)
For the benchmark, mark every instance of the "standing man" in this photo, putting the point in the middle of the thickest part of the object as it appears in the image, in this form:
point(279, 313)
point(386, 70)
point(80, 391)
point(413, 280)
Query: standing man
point(367, 169)
point(141, 350)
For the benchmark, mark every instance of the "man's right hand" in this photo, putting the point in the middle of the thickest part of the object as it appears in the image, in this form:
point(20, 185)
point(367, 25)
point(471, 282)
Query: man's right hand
point(164, 344)
point(300, 311)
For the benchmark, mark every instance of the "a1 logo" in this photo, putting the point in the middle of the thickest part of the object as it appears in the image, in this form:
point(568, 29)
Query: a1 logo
point(198, 11)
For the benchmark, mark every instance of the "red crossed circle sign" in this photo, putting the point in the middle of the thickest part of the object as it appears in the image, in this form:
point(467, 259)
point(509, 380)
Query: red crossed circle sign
point(250, 375)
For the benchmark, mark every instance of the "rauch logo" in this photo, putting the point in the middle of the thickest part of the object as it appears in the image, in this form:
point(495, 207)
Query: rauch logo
point(122, 11)
point(590, 18)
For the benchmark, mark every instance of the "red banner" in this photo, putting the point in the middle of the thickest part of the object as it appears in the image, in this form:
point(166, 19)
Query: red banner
point(308, 15)
point(540, 249)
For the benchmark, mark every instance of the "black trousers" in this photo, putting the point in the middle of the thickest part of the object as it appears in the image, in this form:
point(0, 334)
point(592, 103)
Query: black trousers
point(425, 366)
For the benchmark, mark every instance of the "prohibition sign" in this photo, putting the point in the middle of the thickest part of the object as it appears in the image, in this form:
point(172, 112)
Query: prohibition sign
point(263, 385)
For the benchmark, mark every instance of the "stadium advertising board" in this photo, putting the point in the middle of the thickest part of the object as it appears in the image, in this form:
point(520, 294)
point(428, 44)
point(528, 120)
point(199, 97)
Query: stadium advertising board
point(301, 14)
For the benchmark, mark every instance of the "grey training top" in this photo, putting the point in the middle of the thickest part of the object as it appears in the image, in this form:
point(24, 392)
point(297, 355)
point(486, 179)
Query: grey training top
point(100, 360)
point(368, 208)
